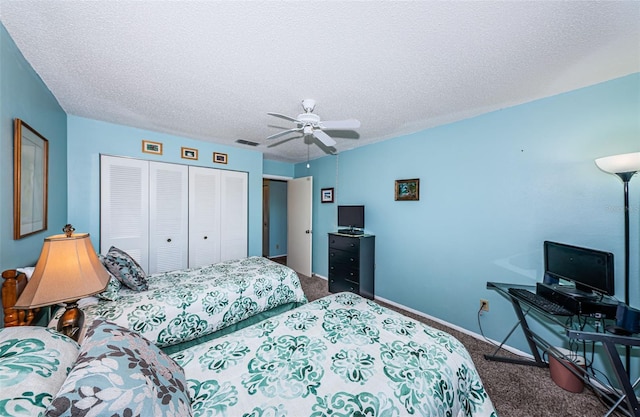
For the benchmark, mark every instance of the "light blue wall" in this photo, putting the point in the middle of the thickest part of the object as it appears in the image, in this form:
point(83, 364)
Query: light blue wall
point(277, 168)
point(23, 95)
point(492, 189)
point(278, 217)
point(88, 138)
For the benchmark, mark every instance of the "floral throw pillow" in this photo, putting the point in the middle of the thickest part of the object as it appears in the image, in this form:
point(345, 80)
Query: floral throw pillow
point(120, 373)
point(126, 269)
point(34, 362)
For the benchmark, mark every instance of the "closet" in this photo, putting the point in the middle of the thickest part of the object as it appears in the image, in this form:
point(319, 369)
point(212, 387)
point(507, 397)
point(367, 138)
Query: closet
point(171, 216)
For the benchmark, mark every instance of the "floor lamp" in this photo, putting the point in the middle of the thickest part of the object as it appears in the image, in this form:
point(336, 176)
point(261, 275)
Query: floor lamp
point(625, 166)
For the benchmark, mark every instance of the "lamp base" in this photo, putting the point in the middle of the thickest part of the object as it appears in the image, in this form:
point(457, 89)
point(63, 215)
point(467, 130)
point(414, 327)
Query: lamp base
point(71, 322)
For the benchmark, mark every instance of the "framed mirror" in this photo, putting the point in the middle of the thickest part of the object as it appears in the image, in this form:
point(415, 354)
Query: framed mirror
point(30, 171)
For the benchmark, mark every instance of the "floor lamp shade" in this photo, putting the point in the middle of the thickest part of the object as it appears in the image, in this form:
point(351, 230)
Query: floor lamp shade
point(620, 164)
point(68, 269)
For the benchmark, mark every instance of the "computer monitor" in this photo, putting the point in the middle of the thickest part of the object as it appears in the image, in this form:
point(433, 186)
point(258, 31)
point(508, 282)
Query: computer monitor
point(589, 269)
point(351, 217)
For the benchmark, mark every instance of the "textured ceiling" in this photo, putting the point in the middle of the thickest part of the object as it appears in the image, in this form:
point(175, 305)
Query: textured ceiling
point(211, 70)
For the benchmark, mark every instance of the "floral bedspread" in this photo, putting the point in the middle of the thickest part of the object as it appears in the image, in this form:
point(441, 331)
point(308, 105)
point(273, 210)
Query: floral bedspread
point(341, 355)
point(183, 305)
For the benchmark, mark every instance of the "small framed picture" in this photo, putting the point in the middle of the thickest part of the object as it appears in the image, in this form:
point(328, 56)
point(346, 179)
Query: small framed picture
point(326, 195)
point(219, 158)
point(151, 147)
point(189, 153)
point(408, 190)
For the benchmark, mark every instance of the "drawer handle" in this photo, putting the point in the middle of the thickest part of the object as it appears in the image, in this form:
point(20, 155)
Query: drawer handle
point(205, 238)
point(169, 240)
point(351, 273)
point(332, 267)
point(351, 259)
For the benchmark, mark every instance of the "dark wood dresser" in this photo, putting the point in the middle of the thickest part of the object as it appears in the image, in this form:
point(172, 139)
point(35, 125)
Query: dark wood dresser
point(352, 263)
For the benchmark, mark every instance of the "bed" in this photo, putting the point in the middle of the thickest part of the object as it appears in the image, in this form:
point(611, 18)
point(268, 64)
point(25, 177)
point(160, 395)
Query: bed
point(341, 355)
point(181, 308)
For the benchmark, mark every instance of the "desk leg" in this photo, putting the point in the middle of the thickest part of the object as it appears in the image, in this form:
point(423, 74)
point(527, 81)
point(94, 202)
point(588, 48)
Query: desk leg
point(522, 321)
point(623, 380)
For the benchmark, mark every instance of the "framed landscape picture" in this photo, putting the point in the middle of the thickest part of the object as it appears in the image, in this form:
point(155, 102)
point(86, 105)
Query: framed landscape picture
point(219, 158)
point(151, 147)
point(408, 190)
point(189, 153)
point(326, 195)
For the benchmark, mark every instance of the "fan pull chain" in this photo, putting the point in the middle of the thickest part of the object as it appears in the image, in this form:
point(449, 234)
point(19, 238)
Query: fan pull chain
point(308, 166)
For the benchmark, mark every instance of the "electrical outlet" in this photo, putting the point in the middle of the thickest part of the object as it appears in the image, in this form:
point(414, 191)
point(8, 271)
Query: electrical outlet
point(484, 305)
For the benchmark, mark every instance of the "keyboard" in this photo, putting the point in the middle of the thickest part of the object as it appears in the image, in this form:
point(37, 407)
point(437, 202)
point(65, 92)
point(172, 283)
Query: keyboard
point(540, 302)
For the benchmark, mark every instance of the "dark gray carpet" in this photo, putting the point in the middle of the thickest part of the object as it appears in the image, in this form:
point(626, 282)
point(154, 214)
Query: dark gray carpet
point(516, 390)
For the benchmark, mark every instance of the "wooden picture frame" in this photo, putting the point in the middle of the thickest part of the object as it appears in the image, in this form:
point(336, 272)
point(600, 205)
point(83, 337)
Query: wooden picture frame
point(407, 190)
point(326, 195)
point(189, 153)
point(219, 158)
point(30, 180)
point(151, 147)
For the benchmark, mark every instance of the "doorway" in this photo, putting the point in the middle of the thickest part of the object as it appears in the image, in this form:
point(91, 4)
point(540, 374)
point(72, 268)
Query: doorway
point(274, 218)
point(286, 237)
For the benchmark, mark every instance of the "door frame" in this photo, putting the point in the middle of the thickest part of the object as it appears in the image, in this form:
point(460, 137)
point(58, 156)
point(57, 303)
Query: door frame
point(287, 179)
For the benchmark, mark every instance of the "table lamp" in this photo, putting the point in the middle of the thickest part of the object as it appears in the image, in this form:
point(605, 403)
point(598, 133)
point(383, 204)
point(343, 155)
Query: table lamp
point(68, 269)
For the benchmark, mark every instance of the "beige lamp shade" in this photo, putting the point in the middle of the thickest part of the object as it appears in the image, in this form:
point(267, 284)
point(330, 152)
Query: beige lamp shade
point(618, 164)
point(68, 269)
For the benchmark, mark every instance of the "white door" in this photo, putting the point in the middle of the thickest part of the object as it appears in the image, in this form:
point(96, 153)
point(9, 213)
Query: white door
point(168, 217)
point(299, 233)
point(204, 216)
point(233, 215)
point(124, 207)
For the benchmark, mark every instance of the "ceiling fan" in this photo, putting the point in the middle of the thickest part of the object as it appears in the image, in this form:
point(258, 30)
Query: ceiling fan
point(309, 124)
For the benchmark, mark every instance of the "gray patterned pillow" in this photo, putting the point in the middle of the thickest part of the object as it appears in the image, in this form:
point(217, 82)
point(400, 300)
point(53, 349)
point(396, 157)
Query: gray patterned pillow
point(34, 362)
point(126, 269)
point(120, 373)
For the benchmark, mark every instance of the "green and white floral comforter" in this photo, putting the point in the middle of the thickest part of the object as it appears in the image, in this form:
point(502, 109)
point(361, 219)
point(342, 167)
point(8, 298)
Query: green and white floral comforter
point(341, 355)
point(183, 305)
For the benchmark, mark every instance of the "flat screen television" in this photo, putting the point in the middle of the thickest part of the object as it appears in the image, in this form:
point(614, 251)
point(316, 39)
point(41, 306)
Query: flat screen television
point(350, 218)
point(589, 269)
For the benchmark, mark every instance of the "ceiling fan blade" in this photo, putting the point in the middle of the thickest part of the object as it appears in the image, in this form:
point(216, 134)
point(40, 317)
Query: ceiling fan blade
point(284, 132)
point(348, 124)
point(282, 116)
point(324, 138)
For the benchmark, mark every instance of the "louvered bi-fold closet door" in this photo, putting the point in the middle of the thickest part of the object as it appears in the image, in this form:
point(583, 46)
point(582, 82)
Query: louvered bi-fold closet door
point(204, 216)
point(233, 215)
point(124, 207)
point(168, 217)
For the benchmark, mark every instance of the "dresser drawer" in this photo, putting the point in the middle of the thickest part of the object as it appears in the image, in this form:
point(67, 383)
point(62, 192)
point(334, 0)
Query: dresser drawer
point(340, 272)
point(344, 243)
point(339, 285)
point(343, 257)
